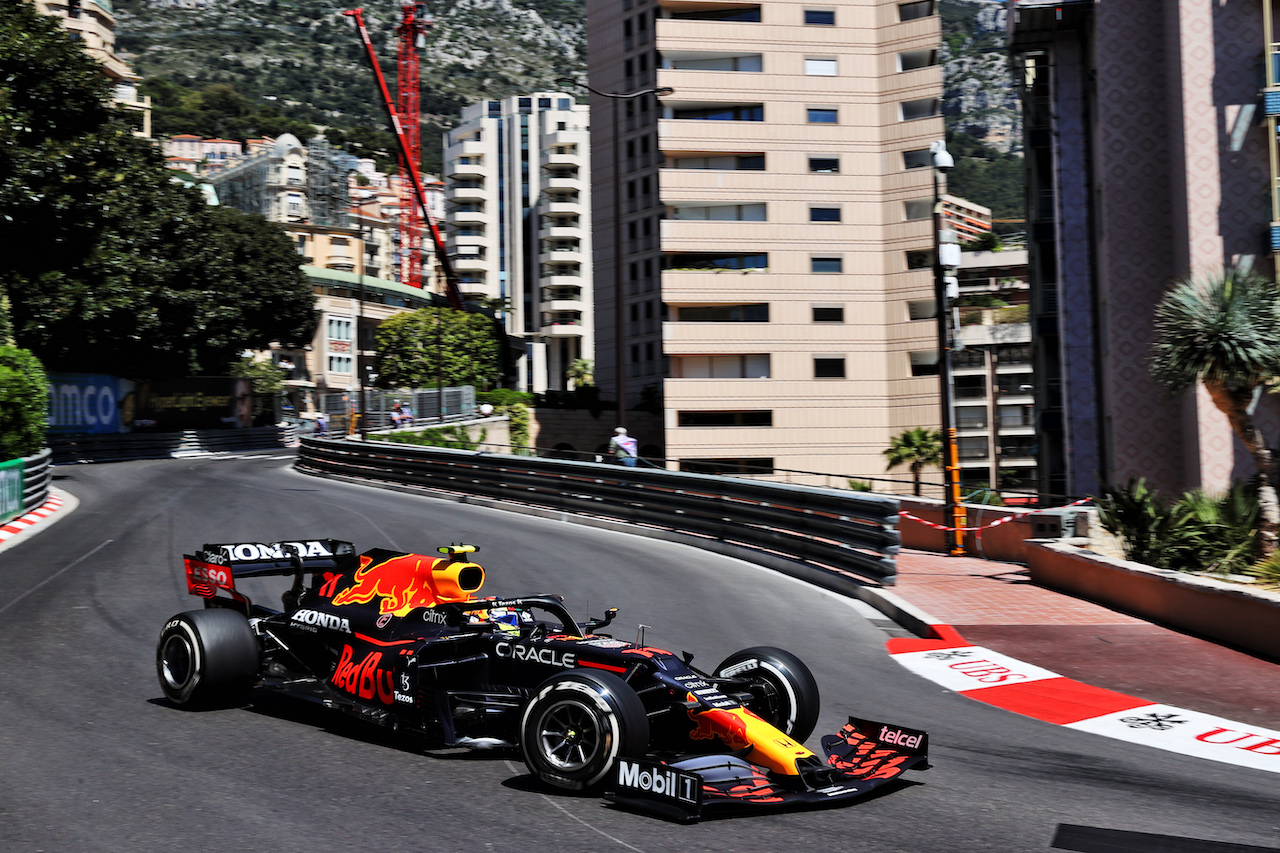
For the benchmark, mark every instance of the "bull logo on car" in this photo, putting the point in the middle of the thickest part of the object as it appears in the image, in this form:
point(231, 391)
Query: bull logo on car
point(397, 581)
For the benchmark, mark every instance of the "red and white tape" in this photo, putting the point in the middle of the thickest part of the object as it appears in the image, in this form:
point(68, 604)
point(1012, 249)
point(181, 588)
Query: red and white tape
point(996, 523)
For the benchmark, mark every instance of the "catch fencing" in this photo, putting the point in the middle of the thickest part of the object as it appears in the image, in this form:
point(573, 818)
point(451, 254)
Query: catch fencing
point(827, 535)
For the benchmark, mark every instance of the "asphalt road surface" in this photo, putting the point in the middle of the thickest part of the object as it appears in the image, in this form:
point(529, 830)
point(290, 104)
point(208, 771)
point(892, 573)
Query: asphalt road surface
point(94, 759)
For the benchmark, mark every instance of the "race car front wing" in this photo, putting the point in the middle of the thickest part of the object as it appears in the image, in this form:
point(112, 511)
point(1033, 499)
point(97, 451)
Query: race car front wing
point(863, 756)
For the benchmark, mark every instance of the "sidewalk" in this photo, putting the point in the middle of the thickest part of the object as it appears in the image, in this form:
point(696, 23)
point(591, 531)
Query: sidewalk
point(1076, 663)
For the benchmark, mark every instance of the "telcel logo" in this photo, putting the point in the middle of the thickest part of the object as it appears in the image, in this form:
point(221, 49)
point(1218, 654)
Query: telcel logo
point(899, 737)
point(658, 781)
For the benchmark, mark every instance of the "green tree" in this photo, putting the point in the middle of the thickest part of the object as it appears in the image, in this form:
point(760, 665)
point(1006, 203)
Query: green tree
point(121, 268)
point(417, 349)
point(1224, 331)
point(267, 378)
point(24, 395)
point(581, 372)
point(915, 447)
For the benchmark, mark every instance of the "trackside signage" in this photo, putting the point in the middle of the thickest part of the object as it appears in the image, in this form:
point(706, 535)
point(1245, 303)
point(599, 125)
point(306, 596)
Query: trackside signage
point(83, 403)
point(1191, 733)
point(12, 474)
point(968, 668)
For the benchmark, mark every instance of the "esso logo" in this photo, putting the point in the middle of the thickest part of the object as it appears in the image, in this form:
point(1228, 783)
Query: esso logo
point(209, 574)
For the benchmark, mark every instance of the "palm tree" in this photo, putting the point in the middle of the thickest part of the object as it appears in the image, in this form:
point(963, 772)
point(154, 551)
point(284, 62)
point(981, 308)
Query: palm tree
point(580, 372)
point(917, 447)
point(1224, 331)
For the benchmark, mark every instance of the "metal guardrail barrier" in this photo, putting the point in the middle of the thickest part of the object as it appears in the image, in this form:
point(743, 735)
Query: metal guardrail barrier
point(835, 531)
point(160, 445)
point(37, 474)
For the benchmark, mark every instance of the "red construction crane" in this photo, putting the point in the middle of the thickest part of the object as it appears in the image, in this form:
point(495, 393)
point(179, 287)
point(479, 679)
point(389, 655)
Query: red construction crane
point(414, 22)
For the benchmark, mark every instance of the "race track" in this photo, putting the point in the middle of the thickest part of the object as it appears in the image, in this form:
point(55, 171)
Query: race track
point(95, 760)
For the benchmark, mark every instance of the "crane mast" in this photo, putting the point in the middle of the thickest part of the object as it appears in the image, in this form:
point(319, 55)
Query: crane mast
point(411, 28)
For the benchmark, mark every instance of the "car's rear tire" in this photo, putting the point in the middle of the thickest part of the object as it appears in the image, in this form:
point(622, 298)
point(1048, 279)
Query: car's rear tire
point(207, 658)
point(577, 725)
point(783, 690)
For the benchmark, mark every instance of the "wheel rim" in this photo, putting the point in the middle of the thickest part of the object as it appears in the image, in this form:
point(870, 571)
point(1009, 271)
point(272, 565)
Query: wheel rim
point(569, 736)
point(177, 661)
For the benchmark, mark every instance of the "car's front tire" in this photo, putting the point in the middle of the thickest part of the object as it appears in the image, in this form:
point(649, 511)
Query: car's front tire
point(207, 658)
point(577, 725)
point(783, 690)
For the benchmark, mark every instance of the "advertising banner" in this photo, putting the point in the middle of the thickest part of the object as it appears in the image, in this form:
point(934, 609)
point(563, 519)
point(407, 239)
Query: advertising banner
point(83, 404)
point(12, 475)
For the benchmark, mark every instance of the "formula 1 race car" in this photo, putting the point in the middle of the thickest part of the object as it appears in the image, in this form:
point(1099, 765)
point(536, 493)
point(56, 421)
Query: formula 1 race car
point(402, 640)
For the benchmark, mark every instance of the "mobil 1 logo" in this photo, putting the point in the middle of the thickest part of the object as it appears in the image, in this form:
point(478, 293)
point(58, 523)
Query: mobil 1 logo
point(658, 787)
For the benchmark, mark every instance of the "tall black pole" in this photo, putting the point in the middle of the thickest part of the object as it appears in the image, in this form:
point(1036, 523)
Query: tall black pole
point(954, 509)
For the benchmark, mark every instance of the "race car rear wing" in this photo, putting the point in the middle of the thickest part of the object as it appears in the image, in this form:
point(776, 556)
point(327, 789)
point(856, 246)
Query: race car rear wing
point(258, 559)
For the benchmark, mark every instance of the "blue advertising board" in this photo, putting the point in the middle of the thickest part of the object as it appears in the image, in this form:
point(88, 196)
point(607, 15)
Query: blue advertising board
point(83, 403)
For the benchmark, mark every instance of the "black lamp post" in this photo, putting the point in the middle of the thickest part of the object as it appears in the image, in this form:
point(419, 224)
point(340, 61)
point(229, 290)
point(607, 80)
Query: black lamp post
point(955, 515)
point(619, 318)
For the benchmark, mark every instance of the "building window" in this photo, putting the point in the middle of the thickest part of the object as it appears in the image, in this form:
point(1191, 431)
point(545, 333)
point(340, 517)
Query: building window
point(826, 264)
point(754, 212)
point(713, 261)
point(339, 329)
point(968, 357)
point(924, 363)
point(736, 162)
point(920, 158)
point(731, 467)
point(724, 419)
point(758, 313)
point(820, 17)
point(339, 364)
point(828, 367)
point(922, 108)
point(969, 387)
point(749, 62)
point(828, 313)
point(1017, 416)
point(824, 214)
point(918, 208)
point(922, 309)
point(919, 259)
point(822, 115)
point(728, 112)
point(744, 14)
point(1014, 354)
point(973, 447)
point(1018, 446)
point(752, 366)
point(820, 67)
point(824, 164)
point(915, 10)
point(912, 59)
point(971, 417)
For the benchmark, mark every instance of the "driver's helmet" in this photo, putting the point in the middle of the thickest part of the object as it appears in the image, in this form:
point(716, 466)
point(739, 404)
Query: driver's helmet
point(505, 619)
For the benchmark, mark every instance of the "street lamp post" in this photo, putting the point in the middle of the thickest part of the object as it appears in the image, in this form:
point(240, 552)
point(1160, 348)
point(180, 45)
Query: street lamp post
point(955, 515)
point(619, 318)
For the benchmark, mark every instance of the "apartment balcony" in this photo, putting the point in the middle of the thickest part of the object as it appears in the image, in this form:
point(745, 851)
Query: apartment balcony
point(458, 169)
point(573, 136)
point(466, 148)
point(478, 217)
point(553, 159)
point(561, 280)
point(562, 232)
point(563, 256)
point(564, 305)
point(562, 329)
point(563, 183)
point(340, 260)
point(568, 207)
point(470, 264)
point(456, 193)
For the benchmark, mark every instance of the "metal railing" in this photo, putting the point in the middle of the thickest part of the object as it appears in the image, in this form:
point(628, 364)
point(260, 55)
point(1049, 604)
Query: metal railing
point(829, 534)
point(160, 445)
point(37, 474)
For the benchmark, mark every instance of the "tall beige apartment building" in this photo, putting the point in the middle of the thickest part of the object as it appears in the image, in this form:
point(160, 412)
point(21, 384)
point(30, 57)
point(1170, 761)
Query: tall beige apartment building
point(773, 214)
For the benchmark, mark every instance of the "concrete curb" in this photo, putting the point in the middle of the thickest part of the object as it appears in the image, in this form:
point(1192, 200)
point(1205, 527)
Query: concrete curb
point(59, 505)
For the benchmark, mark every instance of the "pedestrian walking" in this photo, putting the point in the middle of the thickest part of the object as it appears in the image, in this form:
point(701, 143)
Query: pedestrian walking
point(320, 424)
point(625, 448)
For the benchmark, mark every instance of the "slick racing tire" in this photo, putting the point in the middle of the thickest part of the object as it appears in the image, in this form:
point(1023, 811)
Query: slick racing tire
point(783, 690)
point(207, 658)
point(577, 725)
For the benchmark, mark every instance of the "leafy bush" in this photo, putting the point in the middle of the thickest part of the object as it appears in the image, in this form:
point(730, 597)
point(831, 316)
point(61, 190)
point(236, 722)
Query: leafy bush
point(24, 395)
point(451, 437)
point(860, 486)
point(499, 397)
point(1200, 532)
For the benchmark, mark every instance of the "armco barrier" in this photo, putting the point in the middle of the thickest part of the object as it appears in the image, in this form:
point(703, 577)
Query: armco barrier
point(37, 474)
point(158, 445)
point(820, 534)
